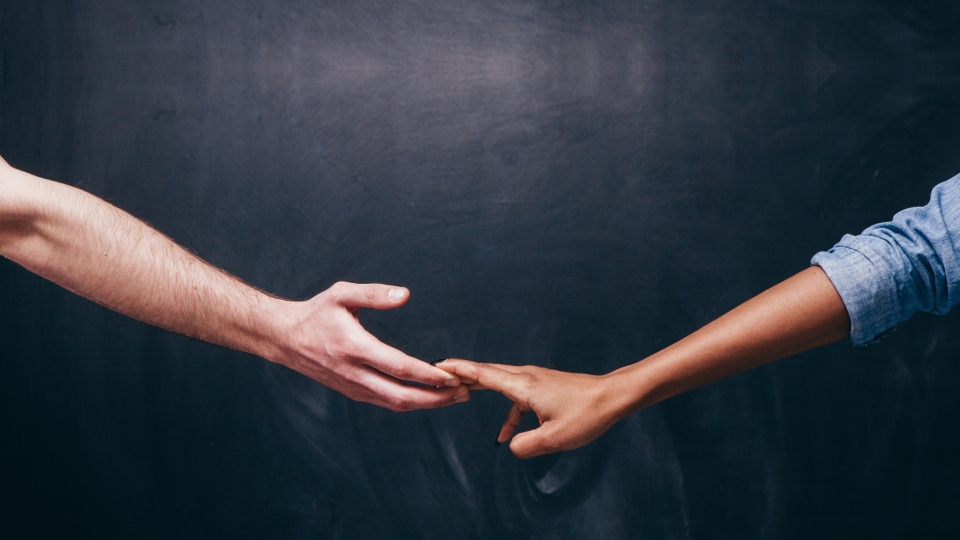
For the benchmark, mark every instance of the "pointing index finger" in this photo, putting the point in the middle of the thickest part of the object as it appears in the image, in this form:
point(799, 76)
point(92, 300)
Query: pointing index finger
point(488, 376)
point(395, 363)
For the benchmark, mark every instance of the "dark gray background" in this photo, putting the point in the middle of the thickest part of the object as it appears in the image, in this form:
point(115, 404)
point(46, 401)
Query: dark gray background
point(567, 184)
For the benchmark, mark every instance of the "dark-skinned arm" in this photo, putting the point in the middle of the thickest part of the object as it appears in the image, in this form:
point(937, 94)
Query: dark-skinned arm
point(801, 313)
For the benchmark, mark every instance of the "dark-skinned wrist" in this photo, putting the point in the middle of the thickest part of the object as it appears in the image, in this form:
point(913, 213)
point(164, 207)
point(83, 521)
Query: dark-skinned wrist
point(634, 387)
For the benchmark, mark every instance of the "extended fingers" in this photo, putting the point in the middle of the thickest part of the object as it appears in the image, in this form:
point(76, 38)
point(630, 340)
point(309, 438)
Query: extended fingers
point(398, 365)
point(365, 384)
point(474, 385)
point(363, 347)
point(401, 397)
point(513, 385)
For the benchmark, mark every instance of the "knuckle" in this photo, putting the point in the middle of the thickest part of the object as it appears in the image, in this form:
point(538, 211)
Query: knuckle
point(526, 382)
point(342, 347)
point(345, 288)
point(350, 350)
point(350, 383)
point(484, 372)
point(370, 291)
point(399, 403)
point(358, 376)
point(401, 371)
point(335, 293)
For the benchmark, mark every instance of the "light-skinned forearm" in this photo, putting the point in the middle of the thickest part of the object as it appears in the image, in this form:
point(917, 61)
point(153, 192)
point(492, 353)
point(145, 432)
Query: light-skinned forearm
point(106, 255)
point(800, 313)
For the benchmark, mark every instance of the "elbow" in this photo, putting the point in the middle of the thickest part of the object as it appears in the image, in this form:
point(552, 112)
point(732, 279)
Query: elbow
point(928, 288)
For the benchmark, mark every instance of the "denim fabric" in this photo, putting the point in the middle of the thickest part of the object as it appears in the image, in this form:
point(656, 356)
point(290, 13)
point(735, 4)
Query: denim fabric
point(893, 270)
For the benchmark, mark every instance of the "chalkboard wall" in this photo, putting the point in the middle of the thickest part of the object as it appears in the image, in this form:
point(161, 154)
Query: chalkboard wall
point(567, 184)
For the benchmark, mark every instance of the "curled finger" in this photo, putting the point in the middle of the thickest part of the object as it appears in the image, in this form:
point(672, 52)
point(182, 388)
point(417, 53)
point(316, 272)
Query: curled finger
point(510, 425)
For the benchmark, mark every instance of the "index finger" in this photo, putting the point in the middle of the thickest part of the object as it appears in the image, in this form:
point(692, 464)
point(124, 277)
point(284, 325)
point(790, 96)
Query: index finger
point(472, 384)
point(395, 363)
point(401, 397)
point(508, 383)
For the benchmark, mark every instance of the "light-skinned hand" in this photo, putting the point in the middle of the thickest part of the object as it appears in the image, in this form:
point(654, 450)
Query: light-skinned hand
point(102, 253)
point(330, 346)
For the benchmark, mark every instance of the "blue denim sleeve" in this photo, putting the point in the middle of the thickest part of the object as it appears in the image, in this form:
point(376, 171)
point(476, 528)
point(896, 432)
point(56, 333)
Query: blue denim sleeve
point(893, 270)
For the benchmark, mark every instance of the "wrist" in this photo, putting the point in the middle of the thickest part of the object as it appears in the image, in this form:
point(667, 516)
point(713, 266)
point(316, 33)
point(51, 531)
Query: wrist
point(272, 334)
point(634, 387)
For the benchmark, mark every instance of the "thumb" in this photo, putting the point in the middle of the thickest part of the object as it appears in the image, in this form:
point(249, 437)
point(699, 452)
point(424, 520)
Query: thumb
point(369, 295)
point(533, 443)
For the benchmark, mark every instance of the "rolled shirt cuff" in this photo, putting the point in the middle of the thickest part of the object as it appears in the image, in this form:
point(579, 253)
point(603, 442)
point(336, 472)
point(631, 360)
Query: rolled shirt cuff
point(866, 286)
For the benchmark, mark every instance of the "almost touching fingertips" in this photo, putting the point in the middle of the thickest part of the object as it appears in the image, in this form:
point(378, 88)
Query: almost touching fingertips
point(452, 381)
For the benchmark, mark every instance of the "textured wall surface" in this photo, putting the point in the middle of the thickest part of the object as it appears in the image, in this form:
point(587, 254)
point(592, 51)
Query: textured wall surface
point(567, 184)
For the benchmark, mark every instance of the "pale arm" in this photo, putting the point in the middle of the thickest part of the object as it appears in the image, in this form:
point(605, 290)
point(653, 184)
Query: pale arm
point(106, 255)
point(800, 313)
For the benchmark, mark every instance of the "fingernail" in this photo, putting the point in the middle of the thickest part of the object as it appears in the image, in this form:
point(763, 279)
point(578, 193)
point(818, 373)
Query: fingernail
point(462, 396)
point(497, 442)
point(395, 294)
point(452, 382)
point(435, 362)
